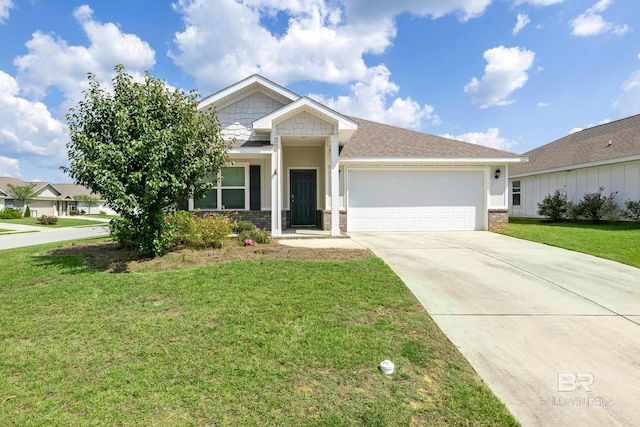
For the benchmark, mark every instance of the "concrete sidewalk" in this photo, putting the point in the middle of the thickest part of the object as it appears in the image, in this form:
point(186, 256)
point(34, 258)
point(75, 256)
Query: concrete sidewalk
point(555, 334)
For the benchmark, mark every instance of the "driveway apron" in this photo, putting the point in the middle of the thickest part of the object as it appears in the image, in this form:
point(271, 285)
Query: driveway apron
point(555, 334)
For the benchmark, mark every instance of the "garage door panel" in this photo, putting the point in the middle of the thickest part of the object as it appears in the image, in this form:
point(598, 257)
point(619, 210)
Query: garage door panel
point(415, 200)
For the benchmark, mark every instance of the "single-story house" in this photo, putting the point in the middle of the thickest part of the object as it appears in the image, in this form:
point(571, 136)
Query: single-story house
point(51, 199)
point(606, 156)
point(294, 162)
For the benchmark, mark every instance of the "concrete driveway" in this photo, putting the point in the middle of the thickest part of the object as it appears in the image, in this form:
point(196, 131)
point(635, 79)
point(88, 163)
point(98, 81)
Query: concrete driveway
point(554, 333)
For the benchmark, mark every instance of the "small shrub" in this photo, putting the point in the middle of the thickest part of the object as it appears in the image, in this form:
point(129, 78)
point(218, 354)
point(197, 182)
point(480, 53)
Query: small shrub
point(573, 213)
point(212, 230)
point(123, 232)
point(102, 213)
point(632, 210)
point(554, 206)
point(258, 235)
point(596, 207)
point(242, 226)
point(9, 213)
point(133, 233)
point(48, 220)
point(184, 227)
point(27, 212)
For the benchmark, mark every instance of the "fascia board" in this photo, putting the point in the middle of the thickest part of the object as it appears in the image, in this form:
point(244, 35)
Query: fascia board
point(212, 99)
point(434, 160)
point(580, 166)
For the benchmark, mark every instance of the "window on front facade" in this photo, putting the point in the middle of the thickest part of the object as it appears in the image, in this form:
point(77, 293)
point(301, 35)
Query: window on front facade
point(515, 193)
point(230, 193)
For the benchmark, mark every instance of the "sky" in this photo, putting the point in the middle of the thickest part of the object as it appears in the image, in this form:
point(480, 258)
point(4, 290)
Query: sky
point(509, 74)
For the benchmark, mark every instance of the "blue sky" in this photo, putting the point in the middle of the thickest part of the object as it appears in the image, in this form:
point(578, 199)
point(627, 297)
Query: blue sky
point(511, 74)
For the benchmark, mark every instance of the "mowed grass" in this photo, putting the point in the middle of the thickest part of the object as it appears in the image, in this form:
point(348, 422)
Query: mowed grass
point(615, 241)
point(262, 342)
point(62, 222)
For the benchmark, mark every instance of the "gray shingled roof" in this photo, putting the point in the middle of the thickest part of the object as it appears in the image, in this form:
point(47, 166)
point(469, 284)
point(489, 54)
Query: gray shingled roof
point(66, 189)
point(374, 139)
point(587, 146)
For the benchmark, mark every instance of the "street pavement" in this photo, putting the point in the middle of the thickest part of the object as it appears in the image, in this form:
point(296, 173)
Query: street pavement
point(26, 235)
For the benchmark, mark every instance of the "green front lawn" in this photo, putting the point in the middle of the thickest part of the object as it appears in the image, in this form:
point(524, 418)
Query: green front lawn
point(62, 222)
point(252, 342)
point(618, 242)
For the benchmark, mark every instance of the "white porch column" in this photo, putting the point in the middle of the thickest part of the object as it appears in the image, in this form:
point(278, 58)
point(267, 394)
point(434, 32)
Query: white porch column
point(335, 187)
point(276, 187)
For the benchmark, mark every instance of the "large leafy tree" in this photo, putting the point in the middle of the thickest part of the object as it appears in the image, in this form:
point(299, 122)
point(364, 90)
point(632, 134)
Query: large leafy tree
point(142, 147)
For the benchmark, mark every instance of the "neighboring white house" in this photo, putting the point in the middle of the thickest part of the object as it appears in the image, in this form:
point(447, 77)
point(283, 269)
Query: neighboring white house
point(606, 156)
point(51, 199)
point(297, 163)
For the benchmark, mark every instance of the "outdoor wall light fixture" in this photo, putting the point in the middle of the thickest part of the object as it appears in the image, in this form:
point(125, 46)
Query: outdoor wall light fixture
point(498, 172)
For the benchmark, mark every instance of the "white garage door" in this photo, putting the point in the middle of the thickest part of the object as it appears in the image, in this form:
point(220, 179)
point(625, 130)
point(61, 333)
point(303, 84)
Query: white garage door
point(395, 200)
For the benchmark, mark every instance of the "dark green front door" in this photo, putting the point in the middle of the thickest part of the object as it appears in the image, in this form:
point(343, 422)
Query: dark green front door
point(303, 197)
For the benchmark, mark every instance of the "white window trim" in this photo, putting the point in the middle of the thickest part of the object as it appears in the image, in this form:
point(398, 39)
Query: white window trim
point(519, 192)
point(219, 187)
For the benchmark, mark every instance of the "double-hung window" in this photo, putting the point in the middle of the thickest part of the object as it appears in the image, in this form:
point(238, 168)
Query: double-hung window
point(515, 193)
point(231, 192)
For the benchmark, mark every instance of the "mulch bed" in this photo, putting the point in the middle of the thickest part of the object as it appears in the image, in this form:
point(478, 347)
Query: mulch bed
point(107, 256)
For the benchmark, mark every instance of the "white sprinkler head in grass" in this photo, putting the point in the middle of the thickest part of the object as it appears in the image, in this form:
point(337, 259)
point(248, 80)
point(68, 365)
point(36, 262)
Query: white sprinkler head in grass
point(387, 366)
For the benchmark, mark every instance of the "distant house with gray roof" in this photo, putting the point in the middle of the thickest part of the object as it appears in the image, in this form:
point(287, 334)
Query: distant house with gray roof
point(51, 199)
point(606, 156)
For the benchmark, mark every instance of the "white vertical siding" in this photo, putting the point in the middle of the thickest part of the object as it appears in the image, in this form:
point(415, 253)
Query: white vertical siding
point(623, 178)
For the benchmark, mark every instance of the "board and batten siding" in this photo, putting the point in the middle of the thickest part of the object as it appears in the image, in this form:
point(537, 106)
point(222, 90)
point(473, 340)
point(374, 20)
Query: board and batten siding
point(622, 177)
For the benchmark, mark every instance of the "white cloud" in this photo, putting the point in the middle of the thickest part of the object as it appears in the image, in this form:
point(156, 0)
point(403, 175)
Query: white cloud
point(108, 46)
point(323, 41)
point(314, 47)
point(628, 103)
point(5, 6)
point(591, 23)
point(27, 129)
point(369, 101)
point(521, 22)
point(542, 104)
point(368, 11)
point(590, 125)
point(505, 72)
point(9, 167)
point(490, 138)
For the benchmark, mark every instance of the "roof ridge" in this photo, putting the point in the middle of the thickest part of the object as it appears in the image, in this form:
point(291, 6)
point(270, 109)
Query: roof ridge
point(605, 124)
